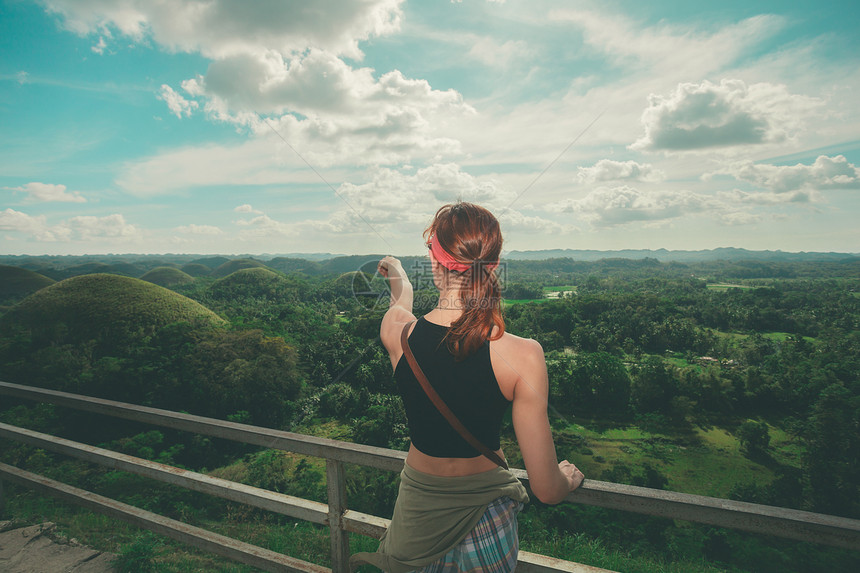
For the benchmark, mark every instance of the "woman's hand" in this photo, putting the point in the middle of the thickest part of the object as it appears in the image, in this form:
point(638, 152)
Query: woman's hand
point(387, 265)
point(572, 473)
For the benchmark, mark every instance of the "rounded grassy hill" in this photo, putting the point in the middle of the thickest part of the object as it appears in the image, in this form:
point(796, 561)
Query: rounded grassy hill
point(15, 281)
point(211, 262)
point(255, 282)
point(231, 267)
point(196, 269)
point(167, 277)
point(98, 305)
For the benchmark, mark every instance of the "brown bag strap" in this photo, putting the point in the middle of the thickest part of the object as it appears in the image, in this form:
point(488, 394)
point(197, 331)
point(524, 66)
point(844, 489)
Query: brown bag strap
point(440, 404)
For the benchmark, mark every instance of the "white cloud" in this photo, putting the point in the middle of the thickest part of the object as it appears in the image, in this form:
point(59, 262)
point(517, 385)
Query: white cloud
point(733, 218)
point(99, 48)
point(89, 227)
point(498, 55)
point(736, 196)
point(220, 28)
point(609, 170)
point(825, 173)
point(264, 226)
point(609, 206)
point(385, 137)
point(193, 229)
point(81, 228)
point(312, 83)
point(256, 162)
point(247, 209)
point(706, 115)
point(177, 104)
point(345, 114)
point(392, 195)
point(11, 220)
point(285, 58)
point(48, 192)
point(517, 222)
point(667, 48)
point(394, 201)
point(267, 160)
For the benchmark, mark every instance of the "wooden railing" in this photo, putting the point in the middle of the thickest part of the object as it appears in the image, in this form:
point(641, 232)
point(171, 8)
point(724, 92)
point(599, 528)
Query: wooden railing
point(782, 522)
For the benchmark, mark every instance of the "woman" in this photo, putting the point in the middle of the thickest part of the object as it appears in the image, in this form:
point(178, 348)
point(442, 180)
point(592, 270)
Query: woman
point(456, 509)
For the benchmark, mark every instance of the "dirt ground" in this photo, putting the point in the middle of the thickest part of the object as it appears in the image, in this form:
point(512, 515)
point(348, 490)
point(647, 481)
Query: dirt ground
point(35, 549)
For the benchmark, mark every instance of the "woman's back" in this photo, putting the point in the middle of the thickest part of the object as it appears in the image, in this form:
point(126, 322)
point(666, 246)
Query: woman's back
point(468, 387)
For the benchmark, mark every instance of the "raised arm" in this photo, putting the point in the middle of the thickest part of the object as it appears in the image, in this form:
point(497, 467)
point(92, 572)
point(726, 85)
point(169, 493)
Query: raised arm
point(549, 480)
point(399, 307)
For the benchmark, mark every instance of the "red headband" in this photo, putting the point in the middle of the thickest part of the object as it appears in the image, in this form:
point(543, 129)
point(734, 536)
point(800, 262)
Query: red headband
point(445, 259)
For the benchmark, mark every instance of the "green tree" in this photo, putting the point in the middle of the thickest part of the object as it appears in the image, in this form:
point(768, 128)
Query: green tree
point(653, 387)
point(754, 437)
point(831, 463)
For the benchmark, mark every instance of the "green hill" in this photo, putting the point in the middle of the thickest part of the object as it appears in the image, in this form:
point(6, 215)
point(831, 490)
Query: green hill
point(103, 305)
point(290, 265)
point(86, 269)
point(196, 269)
point(123, 268)
point(167, 277)
point(15, 282)
point(231, 267)
point(255, 282)
point(211, 262)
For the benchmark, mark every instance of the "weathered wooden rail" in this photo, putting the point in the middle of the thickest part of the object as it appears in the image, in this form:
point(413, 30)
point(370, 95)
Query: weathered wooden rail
point(782, 522)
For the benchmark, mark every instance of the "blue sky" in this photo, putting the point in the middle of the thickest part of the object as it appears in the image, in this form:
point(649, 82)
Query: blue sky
point(133, 126)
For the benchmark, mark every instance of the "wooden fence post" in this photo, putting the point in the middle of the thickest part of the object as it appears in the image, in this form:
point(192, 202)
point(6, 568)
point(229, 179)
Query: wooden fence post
point(336, 483)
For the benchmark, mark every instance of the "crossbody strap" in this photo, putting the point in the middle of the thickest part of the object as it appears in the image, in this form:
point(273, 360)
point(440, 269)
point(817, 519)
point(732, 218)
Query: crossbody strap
point(441, 405)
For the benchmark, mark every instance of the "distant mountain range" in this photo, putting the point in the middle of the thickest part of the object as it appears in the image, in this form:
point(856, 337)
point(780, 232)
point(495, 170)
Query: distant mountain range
point(663, 255)
point(140, 263)
point(305, 256)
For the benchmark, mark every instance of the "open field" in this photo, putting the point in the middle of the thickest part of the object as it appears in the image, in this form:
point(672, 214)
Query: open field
point(728, 286)
point(706, 461)
point(775, 336)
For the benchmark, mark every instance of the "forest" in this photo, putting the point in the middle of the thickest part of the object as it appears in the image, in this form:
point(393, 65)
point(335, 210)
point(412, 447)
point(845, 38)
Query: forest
point(734, 379)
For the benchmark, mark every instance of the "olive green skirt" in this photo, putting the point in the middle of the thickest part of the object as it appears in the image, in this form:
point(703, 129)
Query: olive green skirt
point(433, 514)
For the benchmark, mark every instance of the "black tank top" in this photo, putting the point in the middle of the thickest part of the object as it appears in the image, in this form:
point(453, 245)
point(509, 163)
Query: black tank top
point(468, 387)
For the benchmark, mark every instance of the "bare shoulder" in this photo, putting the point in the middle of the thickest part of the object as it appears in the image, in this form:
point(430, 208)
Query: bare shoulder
point(519, 347)
point(515, 358)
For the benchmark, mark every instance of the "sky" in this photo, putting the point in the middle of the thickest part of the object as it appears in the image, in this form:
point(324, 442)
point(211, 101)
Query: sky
point(295, 126)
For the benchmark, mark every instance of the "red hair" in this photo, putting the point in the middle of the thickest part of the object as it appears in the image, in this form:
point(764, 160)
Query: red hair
point(471, 235)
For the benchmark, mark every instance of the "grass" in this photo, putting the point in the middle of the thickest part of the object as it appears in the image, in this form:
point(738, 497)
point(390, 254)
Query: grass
point(15, 281)
point(683, 364)
point(722, 286)
point(548, 289)
point(252, 282)
point(167, 277)
point(141, 551)
point(783, 336)
point(87, 303)
point(234, 265)
point(775, 336)
point(509, 301)
point(580, 548)
point(706, 461)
